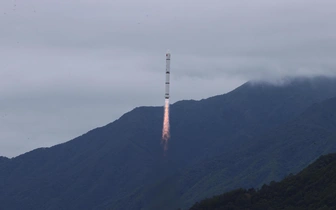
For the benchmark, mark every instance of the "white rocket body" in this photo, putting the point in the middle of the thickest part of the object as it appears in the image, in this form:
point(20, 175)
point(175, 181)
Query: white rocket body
point(167, 75)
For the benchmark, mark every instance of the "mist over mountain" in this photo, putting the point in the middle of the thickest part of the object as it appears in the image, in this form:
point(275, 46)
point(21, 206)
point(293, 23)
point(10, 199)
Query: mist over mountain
point(257, 133)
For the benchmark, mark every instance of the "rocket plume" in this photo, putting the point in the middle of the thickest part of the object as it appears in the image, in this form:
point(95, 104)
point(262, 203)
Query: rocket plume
point(165, 129)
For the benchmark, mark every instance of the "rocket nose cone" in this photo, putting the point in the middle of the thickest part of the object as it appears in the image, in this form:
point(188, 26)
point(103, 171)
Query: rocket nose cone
point(168, 56)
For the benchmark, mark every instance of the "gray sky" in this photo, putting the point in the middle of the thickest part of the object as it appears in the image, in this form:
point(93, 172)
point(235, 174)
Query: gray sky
point(69, 66)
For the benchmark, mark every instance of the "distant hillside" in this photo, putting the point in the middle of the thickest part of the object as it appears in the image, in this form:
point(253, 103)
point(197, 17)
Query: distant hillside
point(272, 155)
point(250, 136)
point(314, 188)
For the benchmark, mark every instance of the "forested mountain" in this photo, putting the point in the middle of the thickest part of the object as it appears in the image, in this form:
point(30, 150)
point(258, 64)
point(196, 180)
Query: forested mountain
point(314, 188)
point(250, 136)
point(285, 149)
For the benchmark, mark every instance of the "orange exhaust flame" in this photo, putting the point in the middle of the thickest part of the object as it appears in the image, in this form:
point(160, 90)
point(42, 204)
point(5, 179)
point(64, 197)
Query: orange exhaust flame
point(165, 129)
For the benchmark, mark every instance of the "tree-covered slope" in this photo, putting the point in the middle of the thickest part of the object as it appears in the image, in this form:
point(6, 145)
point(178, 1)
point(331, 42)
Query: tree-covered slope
point(314, 188)
point(285, 149)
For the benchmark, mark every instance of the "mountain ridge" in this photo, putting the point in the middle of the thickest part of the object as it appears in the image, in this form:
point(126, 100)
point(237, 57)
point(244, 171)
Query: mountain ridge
point(121, 165)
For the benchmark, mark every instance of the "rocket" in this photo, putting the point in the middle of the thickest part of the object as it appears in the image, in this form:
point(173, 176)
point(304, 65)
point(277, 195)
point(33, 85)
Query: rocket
point(167, 75)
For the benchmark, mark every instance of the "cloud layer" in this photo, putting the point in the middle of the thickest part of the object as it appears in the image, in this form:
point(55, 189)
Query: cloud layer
point(70, 66)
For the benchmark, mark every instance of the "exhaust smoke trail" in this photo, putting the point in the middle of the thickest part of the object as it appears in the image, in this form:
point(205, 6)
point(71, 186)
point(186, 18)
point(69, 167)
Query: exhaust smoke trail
point(165, 129)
